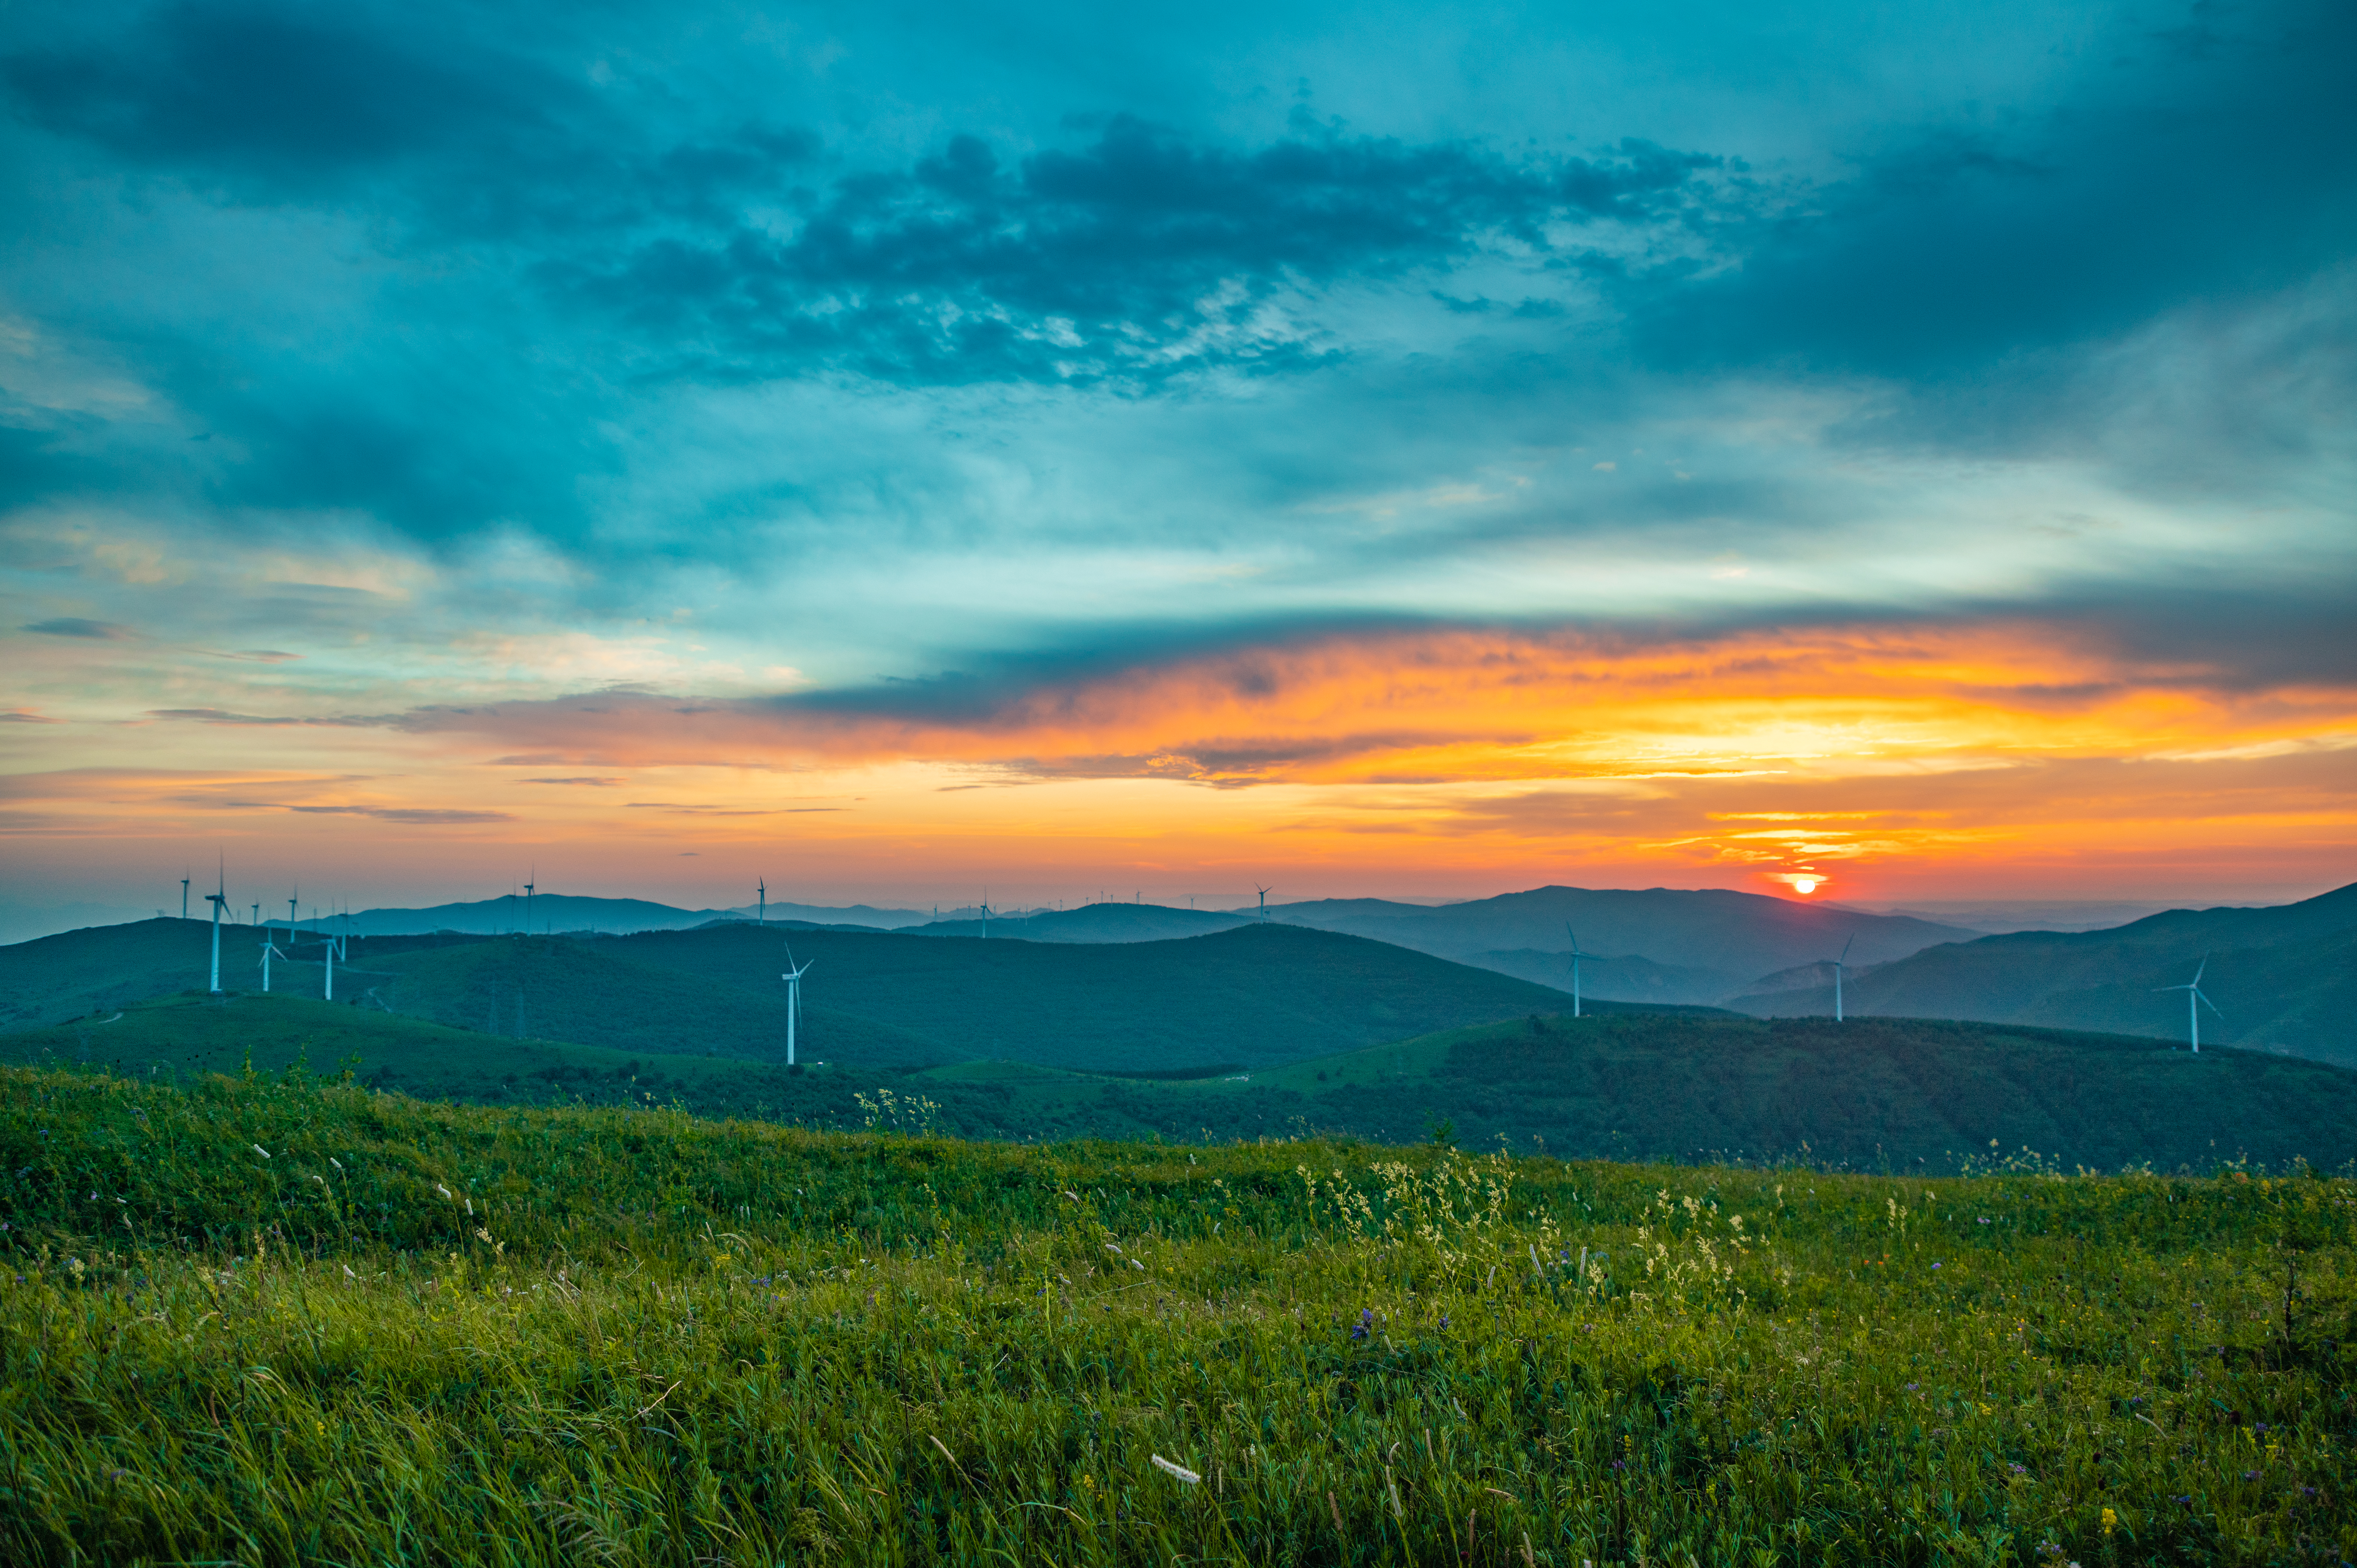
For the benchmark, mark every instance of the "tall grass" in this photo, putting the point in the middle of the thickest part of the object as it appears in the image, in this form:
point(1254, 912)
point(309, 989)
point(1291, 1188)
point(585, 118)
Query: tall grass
point(270, 1320)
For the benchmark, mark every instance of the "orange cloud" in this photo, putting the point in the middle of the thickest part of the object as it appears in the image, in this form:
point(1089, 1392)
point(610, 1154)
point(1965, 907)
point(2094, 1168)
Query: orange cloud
point(1852, 758)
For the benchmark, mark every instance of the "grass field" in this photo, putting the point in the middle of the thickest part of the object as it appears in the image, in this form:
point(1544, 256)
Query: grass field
point(261, 1319)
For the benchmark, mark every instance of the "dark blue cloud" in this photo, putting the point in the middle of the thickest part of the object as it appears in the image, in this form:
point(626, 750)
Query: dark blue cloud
point(296, 99)
point(1140, 253)
point(76, 626)
point(669, 291)
point(2214, 160)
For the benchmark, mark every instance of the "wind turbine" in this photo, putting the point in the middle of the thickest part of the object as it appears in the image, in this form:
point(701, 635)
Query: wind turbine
point(291, 921)
point(793, 979)
point(268, 948)
point(183, 897)
point(762, 918)
point(2194, 1003)
point(530, 881)
point(1264, 892)
point(219, 900)
point(1838, 967)
point(1575, 956)
point(985, 914)
point(257, 914)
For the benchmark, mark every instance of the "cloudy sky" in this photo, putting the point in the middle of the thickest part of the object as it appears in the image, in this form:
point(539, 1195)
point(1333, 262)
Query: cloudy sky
point(1883, 453)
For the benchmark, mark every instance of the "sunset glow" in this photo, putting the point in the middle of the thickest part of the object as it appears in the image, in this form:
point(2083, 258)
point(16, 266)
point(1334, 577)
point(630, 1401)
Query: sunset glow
point(1242, 470)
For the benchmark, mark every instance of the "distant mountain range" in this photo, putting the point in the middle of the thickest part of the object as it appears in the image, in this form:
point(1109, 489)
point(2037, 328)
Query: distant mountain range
point(565, 913)
point(1660, 944)
point(1256, 995)
point(2284, 979)
point(1094, 923)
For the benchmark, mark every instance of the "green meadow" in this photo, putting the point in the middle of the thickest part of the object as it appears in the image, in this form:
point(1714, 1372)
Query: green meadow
point(263, 1318)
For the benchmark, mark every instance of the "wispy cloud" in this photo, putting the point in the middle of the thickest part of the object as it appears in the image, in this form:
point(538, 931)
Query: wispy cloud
point(413, 816)
point(75, 626)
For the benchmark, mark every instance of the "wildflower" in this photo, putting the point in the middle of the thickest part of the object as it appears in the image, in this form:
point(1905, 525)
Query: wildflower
point(2111, 1521)
point(2250, 1475)
point(1181, 1471)
point(260, 1150)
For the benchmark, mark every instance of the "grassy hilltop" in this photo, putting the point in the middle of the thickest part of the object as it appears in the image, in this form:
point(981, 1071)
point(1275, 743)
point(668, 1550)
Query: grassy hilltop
point(267, 1320)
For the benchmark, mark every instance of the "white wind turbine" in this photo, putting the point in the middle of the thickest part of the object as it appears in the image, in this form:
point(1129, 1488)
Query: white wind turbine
point(183, 897)
point(530, 880)
point(793, 979)
point(2194, 1001)
point(219, 900)
point(1840, 967)
point(762, 918)
point(269, 948)
point(1575, 956)
point(1263, 892)
point(985, 914)
point(335, 947)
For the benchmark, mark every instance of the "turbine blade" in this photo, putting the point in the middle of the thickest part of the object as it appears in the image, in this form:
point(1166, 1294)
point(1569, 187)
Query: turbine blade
point(2199, 968)
point(1844, 956)
point(2207, 1003)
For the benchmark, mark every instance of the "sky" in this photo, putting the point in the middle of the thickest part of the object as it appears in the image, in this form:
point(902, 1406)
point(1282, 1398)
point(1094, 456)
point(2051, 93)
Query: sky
point(1875, 452)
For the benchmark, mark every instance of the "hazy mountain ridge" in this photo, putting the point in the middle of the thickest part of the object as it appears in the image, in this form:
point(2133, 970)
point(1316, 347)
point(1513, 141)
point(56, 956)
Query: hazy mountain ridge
point(1713, 941)
point(564, 914)
point(1106, 922)
point(2283, 978)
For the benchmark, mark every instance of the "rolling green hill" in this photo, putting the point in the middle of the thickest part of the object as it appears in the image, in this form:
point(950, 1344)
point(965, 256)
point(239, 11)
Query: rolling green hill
point(104, 967)
point(1256, 995)
point(1905, 1093)
point(1908, 1093)
point(560, 988)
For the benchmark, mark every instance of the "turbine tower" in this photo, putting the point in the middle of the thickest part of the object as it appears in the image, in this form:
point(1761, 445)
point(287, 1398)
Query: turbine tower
point(530, 880)
point(1839, 966)
point(761, 890)
point(1263, 892)
point(793, 979)
point(183, 897)
point(291, 921)
point(219, 900)
point(985, 914)
point(2194, 1003)
point(268, 948)
point(1575, 956)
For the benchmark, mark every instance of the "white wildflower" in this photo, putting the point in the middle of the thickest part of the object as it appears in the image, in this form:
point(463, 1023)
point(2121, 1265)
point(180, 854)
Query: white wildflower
point(1181, 1471)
